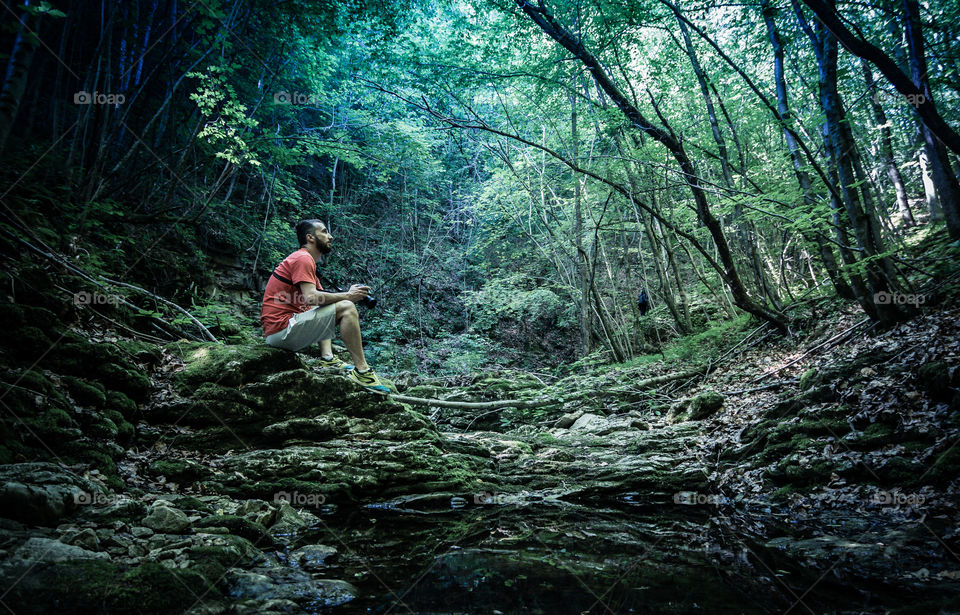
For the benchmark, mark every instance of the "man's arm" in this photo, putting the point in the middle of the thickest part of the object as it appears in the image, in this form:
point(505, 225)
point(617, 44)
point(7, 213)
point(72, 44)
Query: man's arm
point(312, 296)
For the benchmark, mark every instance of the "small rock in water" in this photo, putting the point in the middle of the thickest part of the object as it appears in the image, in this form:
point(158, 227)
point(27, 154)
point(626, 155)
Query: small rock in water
point(312, 557)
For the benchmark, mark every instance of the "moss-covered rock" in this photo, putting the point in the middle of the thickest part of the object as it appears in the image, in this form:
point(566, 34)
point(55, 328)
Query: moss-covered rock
point(115, 400)
point(179, 470)
point(946, 468)
point(705, 405)
point(229, 365)
point(239, 526)
point(125, 379)
point(809, 379)
point(86, 393)
point(935, 379)
point(142, 352)
point(42, 492)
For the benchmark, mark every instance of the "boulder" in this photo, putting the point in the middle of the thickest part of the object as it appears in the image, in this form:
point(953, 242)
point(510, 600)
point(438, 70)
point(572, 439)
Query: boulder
point(166, 520)
point(312, 557)
point(42, 493)
point(586, 422)
point(39, 549)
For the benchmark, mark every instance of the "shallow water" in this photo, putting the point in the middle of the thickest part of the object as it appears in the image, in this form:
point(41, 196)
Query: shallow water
point(622, 556)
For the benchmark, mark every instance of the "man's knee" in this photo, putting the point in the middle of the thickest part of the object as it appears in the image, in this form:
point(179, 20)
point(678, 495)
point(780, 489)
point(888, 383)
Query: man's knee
point(345, 308)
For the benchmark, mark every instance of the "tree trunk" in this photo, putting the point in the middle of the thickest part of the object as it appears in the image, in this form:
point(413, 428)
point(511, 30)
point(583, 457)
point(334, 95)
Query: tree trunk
point(15, 79)
point(948, 189)
point(803, 178)
point(541, 16)
point(886, 148)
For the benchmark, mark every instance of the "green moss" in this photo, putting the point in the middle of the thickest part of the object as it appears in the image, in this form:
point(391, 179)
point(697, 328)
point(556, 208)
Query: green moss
point(125, 379)
point(153, 588)
point(93, 455)
point(115, 400)
point(228, 365)
point(189, 503)
point(876, 436)
point(52, 428)
point(935, 379)
point(102, 427)
point(547, 439)
point(251, 530)
point(705, 404)
point(33, 380)
point(946, 468)
point(125, 431)
point(180, 470)
point(28, 343)
point(85, 393)
point(809, 378)
point(142, 352)
point(899, 471)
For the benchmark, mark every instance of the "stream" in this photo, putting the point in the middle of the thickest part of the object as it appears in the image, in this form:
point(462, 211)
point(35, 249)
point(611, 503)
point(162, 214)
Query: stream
point(627, 555)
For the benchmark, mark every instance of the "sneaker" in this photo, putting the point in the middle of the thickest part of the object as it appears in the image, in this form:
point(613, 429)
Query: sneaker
point(334, 364)
point(368, 380)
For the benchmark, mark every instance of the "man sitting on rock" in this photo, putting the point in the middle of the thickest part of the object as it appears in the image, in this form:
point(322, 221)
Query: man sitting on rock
point(289, 321)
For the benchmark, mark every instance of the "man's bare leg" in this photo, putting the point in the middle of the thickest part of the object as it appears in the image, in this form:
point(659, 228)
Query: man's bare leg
point(326, 349)
point(349, 320)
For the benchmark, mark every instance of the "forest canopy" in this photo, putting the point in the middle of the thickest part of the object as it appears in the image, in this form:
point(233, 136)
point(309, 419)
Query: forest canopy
point(508, 176)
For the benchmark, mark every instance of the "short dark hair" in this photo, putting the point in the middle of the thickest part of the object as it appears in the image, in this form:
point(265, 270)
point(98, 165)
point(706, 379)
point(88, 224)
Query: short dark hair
point(304, 227)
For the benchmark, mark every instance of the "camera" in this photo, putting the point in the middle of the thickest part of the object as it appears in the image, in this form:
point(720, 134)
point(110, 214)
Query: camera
point(369, 301)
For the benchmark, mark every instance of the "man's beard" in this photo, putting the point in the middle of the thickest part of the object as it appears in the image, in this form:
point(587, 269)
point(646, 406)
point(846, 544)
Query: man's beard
point(324, 248)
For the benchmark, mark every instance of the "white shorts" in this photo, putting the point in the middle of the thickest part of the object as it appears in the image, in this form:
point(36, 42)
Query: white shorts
point(306, 328)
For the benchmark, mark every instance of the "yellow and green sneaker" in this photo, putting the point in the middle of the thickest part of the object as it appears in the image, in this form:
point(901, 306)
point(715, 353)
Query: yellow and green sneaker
point(368, 380)
point(333, 364)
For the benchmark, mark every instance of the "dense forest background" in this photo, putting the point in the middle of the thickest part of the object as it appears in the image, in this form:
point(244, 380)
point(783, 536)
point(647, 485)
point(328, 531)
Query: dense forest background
point(507, 176)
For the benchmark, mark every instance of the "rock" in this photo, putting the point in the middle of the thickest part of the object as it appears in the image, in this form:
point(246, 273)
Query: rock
point(809, 378)
point(179, 470)
point(705, 405)
point(586, 421)
point(289, 520)
point(166, 520)
point(317, 428)
point(85, 538)
point(257, 511)
point(38, 549)
point(569, 419)
point(288, 584)
point(935, 379)
point(229, 365)
point(312, 557)
point(238, 526)
point(42, 493)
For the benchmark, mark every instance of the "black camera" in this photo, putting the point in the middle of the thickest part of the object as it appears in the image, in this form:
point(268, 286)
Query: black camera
point(369, 301)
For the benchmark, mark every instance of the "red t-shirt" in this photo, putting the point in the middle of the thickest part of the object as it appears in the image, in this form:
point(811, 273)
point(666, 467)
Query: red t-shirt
point(280, 300)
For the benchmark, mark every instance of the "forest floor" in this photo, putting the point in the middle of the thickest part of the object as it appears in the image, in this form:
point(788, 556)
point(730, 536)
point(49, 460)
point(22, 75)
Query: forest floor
point(818, 471)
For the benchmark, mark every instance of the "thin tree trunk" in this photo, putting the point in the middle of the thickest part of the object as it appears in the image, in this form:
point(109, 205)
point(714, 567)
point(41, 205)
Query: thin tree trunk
point(886, 148)
point(542, 17)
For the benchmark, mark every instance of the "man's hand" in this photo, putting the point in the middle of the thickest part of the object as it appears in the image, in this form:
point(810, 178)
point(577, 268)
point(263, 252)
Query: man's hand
point(357, 293)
